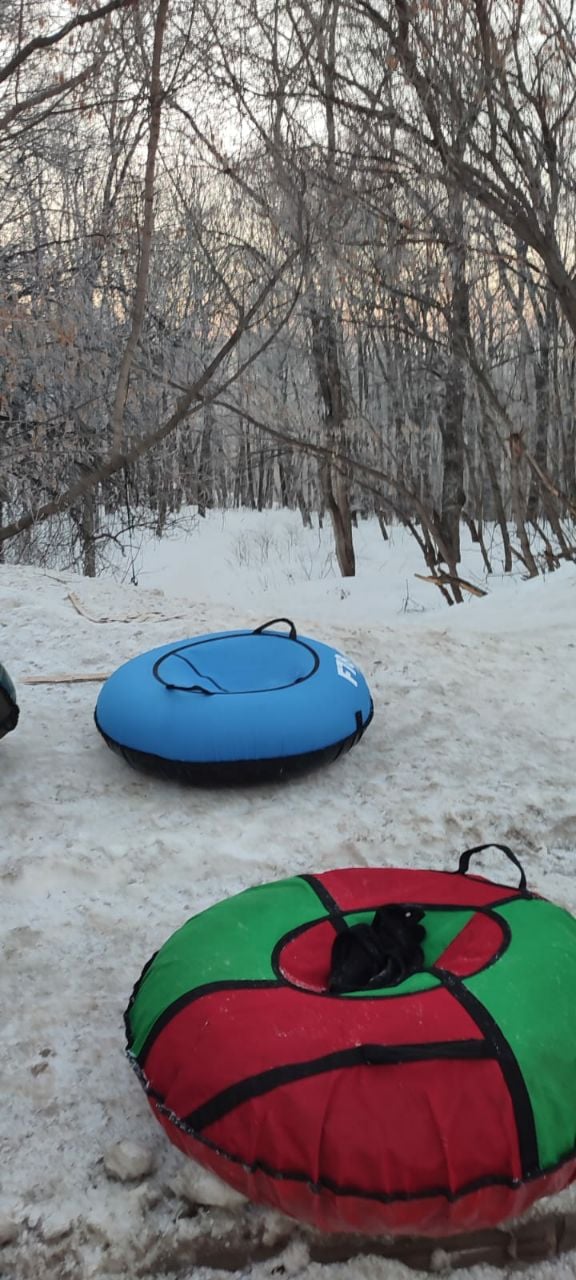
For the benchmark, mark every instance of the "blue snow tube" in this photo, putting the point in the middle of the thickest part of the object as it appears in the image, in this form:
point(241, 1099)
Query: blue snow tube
point(236, 706)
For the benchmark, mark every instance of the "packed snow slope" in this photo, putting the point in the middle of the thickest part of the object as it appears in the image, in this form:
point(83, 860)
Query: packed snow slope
point(473, 740)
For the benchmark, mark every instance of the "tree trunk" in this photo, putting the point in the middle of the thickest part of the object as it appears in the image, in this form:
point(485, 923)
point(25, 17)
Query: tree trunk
point(542, 386)
point(452, 419)
point(335, 490)
point(248, 495)
point(334, 483)
point(147, 233)
point(282, 482)
point(518, 505)
point(382, 526)
point(496, 488)
point(569, 461)
point(88, 518)
point(205, 500)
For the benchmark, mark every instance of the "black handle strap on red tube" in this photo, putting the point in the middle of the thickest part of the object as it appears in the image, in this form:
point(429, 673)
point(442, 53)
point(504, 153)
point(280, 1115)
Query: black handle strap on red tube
point(464, 861)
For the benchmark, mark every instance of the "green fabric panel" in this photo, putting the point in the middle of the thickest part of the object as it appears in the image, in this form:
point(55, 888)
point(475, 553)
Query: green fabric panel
point(229, 942)
point(441, 927)
point(530, 994)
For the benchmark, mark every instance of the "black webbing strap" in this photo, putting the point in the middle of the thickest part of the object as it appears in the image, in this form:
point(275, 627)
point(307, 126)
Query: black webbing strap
point(464, 861)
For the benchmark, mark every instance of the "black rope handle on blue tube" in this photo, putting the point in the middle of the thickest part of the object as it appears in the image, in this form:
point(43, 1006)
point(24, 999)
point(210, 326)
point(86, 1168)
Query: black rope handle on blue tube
point(464, 861)
point(259, 630)
point(184, 688)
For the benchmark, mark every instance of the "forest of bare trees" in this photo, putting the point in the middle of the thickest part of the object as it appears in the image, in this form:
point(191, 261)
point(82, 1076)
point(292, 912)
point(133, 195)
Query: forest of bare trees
point(320, 253)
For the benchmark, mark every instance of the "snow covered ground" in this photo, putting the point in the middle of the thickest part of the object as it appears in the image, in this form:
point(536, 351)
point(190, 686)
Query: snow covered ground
point(473, 740)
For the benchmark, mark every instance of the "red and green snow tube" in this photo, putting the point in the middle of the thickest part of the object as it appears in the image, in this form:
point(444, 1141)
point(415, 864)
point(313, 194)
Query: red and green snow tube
point(443, 1104)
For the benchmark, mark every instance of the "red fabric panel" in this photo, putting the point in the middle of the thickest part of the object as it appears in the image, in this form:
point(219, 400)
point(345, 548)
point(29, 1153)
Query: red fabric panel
point(473, 948)
point(356, 888)
point(306, 959)
point(230, 1035)
point(386, 1129)
point(430, 1216)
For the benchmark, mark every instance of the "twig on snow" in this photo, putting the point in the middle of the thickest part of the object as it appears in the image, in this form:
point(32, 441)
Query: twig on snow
point(97, 677)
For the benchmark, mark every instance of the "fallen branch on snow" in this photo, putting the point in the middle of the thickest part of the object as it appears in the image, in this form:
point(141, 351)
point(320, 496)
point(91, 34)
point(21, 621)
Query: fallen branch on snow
point(154, 615)
point(448, 580)
point(98, 678)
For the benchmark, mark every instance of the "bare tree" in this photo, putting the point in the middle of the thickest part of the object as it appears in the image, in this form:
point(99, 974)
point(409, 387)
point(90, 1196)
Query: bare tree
point(334, 237)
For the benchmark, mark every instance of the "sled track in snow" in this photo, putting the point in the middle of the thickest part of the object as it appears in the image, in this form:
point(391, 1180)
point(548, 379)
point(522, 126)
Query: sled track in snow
point(538, 1240)
point(244, 1244)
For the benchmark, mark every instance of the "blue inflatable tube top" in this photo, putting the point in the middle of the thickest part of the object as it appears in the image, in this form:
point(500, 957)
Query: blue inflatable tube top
point(236, 706)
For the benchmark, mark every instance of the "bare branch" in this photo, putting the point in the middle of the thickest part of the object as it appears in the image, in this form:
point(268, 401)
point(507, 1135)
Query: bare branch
point(47, 42)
